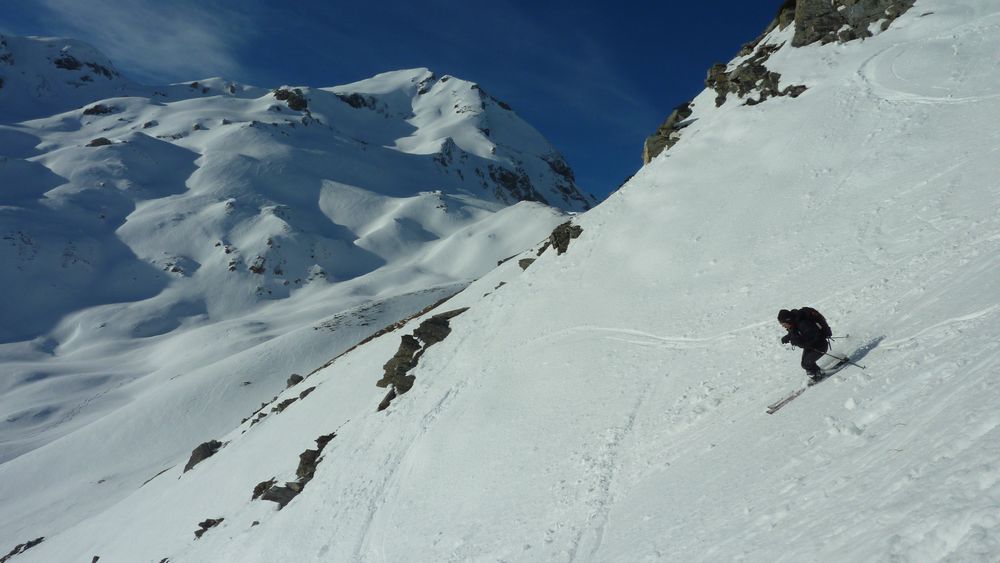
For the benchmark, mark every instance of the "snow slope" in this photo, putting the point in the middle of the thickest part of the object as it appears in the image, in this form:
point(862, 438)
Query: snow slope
point(172, 254)
point(607, 404)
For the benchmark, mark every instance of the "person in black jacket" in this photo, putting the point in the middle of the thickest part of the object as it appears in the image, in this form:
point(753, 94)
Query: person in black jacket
point(806, 333)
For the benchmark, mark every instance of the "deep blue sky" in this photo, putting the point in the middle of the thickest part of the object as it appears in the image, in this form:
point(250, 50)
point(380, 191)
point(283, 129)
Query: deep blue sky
point(594, 77)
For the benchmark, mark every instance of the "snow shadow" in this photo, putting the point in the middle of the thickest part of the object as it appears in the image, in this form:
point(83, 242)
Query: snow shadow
point(857, 355)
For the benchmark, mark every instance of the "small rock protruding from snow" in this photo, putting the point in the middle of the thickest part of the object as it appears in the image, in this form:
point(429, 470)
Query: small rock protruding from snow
point(201, 453)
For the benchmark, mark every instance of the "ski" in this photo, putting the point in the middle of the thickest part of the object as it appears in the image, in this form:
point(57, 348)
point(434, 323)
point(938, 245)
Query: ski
point(774, 407)
point(771, 409)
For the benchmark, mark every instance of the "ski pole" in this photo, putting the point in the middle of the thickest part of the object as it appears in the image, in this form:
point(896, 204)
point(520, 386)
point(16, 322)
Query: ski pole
point(845, 360)
point(840, 337)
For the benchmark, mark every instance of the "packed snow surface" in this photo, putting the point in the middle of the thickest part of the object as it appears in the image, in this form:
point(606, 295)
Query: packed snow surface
point(608, 404)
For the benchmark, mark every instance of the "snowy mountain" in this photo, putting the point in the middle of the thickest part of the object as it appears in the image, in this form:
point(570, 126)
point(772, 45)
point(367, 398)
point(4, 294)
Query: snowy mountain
point(211, 235)
point(602, 396)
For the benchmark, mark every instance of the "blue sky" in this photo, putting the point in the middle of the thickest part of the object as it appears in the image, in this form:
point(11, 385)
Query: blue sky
point(594, 77)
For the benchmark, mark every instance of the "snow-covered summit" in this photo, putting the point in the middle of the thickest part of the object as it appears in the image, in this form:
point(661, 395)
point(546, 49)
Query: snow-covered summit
point(40, 76)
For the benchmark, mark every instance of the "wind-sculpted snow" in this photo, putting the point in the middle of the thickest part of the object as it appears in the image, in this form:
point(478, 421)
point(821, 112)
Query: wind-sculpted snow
point(608, 403)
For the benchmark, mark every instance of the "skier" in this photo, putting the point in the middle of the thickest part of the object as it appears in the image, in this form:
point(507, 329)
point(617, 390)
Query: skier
point(808, 330)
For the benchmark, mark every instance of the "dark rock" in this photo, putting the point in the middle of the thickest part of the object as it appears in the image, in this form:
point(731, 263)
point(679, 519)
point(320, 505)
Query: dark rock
point(102, 70)
point(99, 142)
point(386, 400)
point(749, 77)
point(282, 494)
point(307, 465)
point(67, 62)
point(400, 363)
point(426, 85)
point(284, 404)
point(784, 18)
point(525, 262)
point(21, 548)
point(293, 379)
point(262, 488)
point(201, 453)
point(258, 265)
point(794, 91)
point(99, 109)
point(358, 101)
point(206, 526)
point(322, 441)
point(668, 133)
point(561, 235)
point(825, 21)
point(514, 184)
point(430, 332)
point(559, 166)
point(305, 471)
point(295, 99)
point(436, 328)
point(306, 393)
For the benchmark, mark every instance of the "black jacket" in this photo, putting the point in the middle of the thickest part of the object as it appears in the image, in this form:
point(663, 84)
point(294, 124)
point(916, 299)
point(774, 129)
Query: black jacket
point(805, 333)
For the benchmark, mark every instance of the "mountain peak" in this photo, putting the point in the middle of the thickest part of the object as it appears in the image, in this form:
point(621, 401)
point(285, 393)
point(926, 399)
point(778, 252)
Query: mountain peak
point(44, 75)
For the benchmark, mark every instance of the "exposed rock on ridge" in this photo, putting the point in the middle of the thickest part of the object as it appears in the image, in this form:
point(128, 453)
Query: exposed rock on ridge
point(397, 369)
point(21, 548)
point(822, 21)
point(308, 460)
point(667, 134)
point(826, 21)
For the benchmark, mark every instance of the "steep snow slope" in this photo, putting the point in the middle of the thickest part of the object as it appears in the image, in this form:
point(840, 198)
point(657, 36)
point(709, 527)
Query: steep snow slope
point(607, 404)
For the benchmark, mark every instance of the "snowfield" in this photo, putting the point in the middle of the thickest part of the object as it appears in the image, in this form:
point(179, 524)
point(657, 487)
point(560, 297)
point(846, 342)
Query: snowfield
point(608, 403)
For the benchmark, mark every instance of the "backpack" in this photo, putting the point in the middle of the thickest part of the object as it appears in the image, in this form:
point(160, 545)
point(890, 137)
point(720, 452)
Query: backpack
point(810, 314)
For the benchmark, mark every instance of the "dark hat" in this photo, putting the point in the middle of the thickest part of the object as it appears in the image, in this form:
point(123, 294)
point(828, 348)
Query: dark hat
point(784, 316)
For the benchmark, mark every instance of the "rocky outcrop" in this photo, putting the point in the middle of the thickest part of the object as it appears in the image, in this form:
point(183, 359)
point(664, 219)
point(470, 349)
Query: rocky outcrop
point(561, 235)
point(99, 109)
point(293, 379)
point(201, 453)
point(667, 134)
point(99, 142)
point(21, 548)
point(295, 99)
point(207, 525)
point(397, 374)
point(816, 21)
point(262, 488)
point(283, 494)
point(357, 101)
point(750, 78)
point(826, 21)
point(516, 185)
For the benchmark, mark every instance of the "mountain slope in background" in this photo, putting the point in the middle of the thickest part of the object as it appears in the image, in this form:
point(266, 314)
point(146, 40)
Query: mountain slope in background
point(607, 403)
point(214, 238)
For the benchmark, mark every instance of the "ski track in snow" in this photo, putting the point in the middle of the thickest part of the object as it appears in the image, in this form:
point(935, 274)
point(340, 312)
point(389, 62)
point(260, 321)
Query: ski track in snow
point(604, 467)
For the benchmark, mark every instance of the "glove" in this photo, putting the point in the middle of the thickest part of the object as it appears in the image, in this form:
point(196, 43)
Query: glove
point(786, 339)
